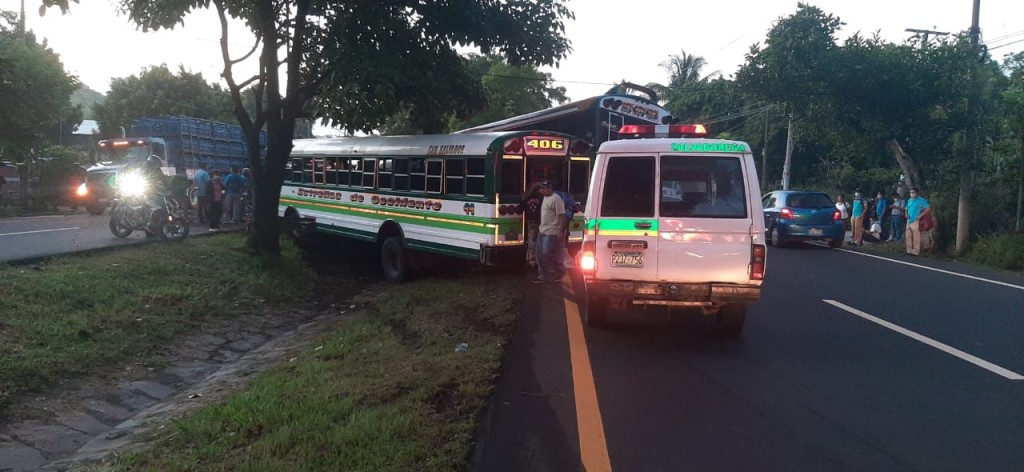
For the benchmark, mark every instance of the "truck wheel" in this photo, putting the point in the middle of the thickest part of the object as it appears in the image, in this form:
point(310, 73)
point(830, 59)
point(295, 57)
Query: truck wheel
point(96, 208)
point(596, 313)
point(393, 260)
point(731, 318)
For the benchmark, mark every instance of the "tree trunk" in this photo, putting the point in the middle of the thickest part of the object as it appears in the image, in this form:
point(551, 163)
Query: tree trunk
point(911, 171)
point(963, 213)
point(268, 175)
point(1020, 185)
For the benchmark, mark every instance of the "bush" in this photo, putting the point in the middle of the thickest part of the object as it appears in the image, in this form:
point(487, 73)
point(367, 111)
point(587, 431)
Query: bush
point(1000, 250)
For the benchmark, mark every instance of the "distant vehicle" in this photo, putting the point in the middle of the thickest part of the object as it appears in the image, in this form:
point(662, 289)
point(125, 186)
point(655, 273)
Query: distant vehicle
point(452, 195)
point(596, 119)
point(795, 215)
point(673, 220)
point(181, 142)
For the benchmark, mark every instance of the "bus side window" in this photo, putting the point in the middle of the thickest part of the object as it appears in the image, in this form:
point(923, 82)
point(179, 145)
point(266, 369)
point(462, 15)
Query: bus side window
point(355, 172)
point(454, 171)
point(418, 174)
point(401, 174)
point(369, 176)
point(296, 169)
point(307, 170)
point(435, 174)
point(384, 170)
point(476, 170)
point(331, 163)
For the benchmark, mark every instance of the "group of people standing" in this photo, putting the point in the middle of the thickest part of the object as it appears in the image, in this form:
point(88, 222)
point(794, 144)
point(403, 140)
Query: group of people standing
point(885, 219)
point(222, 198)
point(547, 213)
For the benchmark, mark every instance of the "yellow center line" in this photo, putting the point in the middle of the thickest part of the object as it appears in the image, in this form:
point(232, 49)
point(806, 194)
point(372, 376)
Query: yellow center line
point(593, 446)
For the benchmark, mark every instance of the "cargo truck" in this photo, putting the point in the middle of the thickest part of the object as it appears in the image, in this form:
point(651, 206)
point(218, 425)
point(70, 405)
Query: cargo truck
point(182, 143)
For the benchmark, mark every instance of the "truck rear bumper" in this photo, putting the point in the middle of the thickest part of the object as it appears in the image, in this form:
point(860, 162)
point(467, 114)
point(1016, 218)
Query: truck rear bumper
point(673, 294)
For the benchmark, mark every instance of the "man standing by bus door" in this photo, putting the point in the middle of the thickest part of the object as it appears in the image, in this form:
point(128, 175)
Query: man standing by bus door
point(553, 223)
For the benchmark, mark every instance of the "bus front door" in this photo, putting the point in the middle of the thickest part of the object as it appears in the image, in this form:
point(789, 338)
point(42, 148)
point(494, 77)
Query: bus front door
point(545, 168)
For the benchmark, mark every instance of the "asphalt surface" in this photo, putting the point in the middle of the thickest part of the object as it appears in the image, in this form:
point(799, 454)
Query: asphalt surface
point(850, 362)
point(42, 236)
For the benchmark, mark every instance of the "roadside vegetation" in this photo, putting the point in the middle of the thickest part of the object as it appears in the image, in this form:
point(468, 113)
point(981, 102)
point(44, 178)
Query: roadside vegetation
point(74, 315)
point(397, 384)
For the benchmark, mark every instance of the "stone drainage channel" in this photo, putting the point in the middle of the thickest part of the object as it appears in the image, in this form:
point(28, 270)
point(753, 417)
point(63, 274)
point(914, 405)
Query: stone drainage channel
point(86, 423)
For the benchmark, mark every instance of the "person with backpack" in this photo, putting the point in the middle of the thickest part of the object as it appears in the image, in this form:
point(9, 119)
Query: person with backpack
point(529, 207)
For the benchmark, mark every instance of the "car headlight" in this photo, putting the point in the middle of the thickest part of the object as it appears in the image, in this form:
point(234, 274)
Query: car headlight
point(82, 190)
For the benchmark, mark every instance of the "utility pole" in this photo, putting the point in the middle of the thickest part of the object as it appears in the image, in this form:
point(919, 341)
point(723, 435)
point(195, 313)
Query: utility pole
point(924, 34)
point(789, 155)
point(764, 155)
point(963, 213)
point(21, 22)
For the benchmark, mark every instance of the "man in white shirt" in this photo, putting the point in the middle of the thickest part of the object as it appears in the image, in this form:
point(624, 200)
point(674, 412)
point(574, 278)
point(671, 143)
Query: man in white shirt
point(552, 228)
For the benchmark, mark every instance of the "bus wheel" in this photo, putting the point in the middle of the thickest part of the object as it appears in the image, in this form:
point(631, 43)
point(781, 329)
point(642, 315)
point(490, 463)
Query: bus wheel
point(394, 260)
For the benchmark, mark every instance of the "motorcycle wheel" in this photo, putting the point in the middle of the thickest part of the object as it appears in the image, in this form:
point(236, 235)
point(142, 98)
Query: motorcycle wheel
point(175, 230)
point(118, 225)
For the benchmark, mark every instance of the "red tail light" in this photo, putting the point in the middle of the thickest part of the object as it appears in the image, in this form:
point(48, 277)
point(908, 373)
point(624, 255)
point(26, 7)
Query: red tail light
point(588, 257)
point(786, 213)
point(757, 262)
point(837, 215)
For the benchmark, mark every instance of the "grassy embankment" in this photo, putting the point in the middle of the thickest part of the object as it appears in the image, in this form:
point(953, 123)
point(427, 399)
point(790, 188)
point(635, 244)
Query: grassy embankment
point(385, 390)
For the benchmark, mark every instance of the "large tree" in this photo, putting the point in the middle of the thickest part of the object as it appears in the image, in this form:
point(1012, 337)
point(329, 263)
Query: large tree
point(356, 63)
point(157, 91)
point(35, 94)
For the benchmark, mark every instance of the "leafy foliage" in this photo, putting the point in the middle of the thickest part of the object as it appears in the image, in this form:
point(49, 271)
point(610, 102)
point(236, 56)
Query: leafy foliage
point(356, 64)
point(35, 95)
point(157, 91)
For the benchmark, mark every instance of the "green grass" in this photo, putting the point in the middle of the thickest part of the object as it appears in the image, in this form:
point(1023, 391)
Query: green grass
point(385, 391)
point(72, 315)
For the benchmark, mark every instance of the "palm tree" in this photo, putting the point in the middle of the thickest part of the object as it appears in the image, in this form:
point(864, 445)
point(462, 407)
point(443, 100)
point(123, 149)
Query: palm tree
point(683, 69)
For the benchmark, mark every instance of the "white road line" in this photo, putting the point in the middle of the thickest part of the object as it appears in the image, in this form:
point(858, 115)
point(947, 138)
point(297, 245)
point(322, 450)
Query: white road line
point(931, 342)
point(40, 231)
point(919, 266)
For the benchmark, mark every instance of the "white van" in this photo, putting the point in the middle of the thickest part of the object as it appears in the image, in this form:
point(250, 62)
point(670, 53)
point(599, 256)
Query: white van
point(674, 221)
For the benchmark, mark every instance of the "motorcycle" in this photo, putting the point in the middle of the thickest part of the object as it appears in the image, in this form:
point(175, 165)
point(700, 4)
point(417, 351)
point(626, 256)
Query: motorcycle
point(137, 208)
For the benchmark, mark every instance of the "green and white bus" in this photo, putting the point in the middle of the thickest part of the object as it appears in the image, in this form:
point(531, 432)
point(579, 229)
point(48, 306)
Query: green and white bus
point(453, 195)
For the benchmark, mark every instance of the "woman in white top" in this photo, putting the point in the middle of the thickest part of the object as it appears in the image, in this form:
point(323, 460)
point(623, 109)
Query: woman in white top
point(844, 211)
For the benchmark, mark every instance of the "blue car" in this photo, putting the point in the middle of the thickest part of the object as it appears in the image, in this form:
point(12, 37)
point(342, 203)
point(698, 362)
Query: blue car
point(796, 215)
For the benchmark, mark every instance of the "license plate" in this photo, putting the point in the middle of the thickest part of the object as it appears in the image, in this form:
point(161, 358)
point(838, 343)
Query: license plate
point(627, 259)
point(815, 231)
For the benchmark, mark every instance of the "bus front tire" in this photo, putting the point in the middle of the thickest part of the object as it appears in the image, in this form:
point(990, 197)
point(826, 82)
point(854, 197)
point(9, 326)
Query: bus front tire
point(394, 260)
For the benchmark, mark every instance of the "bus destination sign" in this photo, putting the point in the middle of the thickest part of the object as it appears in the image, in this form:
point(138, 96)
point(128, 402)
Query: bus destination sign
point(545, 146)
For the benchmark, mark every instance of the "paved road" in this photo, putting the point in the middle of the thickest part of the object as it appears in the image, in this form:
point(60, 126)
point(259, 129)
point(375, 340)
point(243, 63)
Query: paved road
point(850, 362)
point(41, 236)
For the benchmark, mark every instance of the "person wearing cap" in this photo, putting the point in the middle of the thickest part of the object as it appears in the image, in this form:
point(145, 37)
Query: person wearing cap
point(553, 223)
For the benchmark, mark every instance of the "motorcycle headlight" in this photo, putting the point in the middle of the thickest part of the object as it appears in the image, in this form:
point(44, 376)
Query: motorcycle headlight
point(131, 184)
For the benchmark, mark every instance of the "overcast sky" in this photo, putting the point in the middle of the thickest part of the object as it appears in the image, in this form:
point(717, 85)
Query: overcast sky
point(611, 40)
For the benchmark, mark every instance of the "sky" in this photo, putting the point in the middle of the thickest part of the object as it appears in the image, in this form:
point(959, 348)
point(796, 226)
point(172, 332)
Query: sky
point(612, 40)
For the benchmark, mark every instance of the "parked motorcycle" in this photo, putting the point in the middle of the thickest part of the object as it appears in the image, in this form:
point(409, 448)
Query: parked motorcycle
point(137, 208)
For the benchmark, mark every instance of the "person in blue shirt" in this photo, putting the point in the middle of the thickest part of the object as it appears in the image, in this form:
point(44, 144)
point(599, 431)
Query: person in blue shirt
point(917, 207)
point(857, 220)
point(202, 180)
point(570, 209)
point(881, 213)
point(234, 187)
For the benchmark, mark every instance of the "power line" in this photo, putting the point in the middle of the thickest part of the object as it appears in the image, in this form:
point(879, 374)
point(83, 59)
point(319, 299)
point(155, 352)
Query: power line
point(1005, 44)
